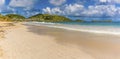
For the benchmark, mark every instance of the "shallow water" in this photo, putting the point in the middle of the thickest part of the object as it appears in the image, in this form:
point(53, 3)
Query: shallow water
point(102, 28)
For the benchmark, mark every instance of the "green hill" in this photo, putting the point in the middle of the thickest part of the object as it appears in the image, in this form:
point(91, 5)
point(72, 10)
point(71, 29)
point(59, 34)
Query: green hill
point(15, 17)
point(4, 18)
point(48, 18)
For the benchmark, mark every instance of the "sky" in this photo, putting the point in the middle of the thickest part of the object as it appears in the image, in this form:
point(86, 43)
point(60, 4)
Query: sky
point(82, 8)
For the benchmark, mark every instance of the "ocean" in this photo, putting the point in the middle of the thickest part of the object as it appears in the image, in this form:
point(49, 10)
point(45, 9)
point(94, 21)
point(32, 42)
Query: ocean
point(112, 28)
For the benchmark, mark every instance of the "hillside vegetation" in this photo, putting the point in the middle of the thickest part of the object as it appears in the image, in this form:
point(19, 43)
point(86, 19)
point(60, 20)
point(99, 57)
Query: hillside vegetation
point(49, 18)
point(4, 18)
point(15, 17)
point(43, 18)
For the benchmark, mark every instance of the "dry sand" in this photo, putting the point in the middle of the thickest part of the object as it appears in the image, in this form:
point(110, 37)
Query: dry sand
point(39, 42)
point(4, 26)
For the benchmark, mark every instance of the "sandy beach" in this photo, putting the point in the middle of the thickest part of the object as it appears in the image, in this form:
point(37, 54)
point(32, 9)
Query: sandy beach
point(40, 42)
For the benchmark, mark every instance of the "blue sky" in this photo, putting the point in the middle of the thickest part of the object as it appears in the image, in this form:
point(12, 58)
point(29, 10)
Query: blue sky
point(84, 8)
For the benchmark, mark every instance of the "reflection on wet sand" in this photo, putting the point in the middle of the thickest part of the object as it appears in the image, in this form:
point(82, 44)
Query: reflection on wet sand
point(100, 46)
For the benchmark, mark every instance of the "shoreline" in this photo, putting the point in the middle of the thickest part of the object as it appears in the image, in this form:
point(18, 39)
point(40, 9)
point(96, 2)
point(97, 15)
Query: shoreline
point(41, 42)
point(98, 45)
point(108, 30)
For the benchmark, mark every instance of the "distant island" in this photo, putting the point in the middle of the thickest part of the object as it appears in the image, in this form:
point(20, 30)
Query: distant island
point(43, 18)
point(101, 21)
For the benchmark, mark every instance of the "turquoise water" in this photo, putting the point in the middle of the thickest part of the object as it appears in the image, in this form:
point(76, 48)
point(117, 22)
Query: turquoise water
point(114, 24)
point(96, 18)
point(116, 21)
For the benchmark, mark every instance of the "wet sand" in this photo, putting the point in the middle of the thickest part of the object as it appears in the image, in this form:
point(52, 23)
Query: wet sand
point(99, 46)
point(40, 42)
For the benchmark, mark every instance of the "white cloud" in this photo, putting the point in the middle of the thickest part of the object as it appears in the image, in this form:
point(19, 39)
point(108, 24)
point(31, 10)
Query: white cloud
point(73, 9)
point(103, 0)
point(6, 9)
point(100, 10)
point(66, 10)
point(111, 1)
point(56, 11)
point(57, 2)
point(22, 3)
point(52, 10)
point(117, 1)
point(47, 10)
point(2, 2)
point(78, 9)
